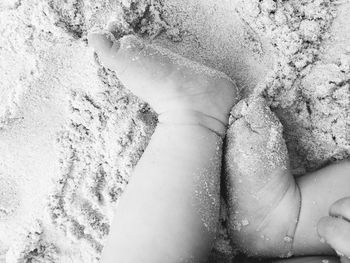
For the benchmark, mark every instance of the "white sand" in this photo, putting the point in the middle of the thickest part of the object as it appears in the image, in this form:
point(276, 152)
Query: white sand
point(70, 134)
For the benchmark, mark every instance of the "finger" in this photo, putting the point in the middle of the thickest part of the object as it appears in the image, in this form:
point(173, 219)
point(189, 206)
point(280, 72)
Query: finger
point(336, 232)
point(341, 208)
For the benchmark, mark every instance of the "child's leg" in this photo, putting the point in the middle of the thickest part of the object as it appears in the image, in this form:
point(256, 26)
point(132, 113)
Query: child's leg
point(169, 211)
point(263, 198)
point(271, 214)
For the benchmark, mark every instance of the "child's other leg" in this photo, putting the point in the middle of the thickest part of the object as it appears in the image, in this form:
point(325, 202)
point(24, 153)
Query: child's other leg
point(271, 214)
point(169, 211)
point(263, 198)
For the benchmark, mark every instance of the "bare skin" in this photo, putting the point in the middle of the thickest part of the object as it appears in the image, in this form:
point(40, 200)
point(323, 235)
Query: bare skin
point(271, 213)
point(169, 211)
point(335, 230)
point(262, 195)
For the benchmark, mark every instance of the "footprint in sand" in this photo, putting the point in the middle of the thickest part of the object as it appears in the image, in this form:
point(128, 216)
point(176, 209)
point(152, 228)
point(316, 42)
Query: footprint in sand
point(3, 250)
point(9, 199)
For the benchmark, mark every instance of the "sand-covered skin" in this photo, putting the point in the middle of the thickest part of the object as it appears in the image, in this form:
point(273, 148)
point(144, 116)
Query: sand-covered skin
point(258, 183)
point(309, 93)
point(70, 133)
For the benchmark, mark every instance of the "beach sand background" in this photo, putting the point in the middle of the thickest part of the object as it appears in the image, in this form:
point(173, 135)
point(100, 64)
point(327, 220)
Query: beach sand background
point(70, 133)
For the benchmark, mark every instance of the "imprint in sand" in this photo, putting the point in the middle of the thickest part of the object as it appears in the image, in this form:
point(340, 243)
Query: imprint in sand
point(9, 200)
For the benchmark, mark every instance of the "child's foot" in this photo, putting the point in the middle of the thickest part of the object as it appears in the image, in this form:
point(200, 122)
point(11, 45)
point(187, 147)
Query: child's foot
point(262, 196)
point(176, 88)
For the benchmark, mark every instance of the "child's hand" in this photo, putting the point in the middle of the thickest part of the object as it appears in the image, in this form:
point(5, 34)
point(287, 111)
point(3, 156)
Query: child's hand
point(335, 229)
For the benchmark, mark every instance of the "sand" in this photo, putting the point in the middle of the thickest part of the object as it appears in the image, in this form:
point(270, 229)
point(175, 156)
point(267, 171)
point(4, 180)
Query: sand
point(70, 133)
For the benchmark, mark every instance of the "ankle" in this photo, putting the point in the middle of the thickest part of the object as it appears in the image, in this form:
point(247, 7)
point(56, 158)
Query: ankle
point(191, 117)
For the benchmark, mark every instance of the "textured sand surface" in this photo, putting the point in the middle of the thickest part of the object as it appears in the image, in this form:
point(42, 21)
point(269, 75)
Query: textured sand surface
point(70, 133)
